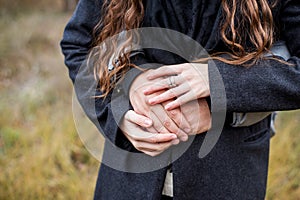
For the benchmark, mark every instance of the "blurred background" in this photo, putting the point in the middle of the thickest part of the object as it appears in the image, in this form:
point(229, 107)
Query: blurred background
point(41, 154)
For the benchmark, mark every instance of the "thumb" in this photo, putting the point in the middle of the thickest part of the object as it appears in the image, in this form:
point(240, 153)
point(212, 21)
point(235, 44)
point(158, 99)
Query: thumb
point(138, 119)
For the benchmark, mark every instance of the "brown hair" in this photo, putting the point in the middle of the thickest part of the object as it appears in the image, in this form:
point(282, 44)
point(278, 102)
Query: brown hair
point(255, 25)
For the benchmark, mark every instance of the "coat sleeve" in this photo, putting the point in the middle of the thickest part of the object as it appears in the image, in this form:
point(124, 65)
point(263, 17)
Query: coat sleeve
point(269, 85)
point(106, 113)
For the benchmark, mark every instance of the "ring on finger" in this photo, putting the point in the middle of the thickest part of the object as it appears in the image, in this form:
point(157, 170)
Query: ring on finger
point(172, 82)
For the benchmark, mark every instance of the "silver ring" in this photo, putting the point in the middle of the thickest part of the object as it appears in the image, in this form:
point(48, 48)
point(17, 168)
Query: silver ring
point(172, 82)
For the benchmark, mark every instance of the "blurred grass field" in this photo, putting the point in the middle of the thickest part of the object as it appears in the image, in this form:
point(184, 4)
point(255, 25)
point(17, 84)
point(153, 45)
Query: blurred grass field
point(41, 155)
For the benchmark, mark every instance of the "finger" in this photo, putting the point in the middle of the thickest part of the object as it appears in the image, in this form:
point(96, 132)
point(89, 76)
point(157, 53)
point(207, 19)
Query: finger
point(169, 94)
point(157, 122)
point(160, 147)
point(168, 123)
point(156, 149)
point(164, 71)
point(178, 117)
point(187, 130)
point(198, 114)
point(151, 130)
point(163, 84)
point(138, 133)
point(165, 96)
point(157, 138)
point(151, 153)
point(138, 119)
point(191, 111)
point(180, 101)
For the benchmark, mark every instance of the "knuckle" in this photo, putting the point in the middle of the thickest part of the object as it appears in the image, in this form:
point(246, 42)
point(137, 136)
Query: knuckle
point(167, 123)
point(189, 77)
point(173, 113)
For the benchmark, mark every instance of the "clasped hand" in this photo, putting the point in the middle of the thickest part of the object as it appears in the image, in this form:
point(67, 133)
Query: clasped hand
point(168, 105)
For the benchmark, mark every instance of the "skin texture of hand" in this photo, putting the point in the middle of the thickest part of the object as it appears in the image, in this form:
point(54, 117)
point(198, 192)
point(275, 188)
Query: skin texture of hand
point(163, 121)
point(198, 114)
point(189, 82)
point(134, 128)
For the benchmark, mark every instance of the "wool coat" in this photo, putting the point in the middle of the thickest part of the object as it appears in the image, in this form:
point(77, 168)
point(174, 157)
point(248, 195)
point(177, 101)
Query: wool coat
point(236, 167)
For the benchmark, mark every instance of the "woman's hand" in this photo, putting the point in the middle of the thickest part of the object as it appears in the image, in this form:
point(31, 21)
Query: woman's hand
point(185, 82)
point(134, 128)
point(163, 121)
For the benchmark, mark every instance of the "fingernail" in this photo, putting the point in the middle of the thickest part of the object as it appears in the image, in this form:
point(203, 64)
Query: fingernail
point(184, 138)
point(175, 142)
point(167, 107)
point(148, 122)
point(174, 136)
point(151, 101)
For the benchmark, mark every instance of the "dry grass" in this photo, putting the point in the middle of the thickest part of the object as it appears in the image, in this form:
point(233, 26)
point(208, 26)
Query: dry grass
point(41, 155)
point(284, 175)
point(16, 6)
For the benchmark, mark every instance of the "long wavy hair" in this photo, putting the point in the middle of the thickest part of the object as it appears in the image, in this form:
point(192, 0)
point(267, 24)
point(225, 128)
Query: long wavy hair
point(255, 25)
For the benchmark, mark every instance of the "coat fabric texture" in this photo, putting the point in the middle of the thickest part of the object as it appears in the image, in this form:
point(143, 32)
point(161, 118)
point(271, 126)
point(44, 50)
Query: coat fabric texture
point(237, 166)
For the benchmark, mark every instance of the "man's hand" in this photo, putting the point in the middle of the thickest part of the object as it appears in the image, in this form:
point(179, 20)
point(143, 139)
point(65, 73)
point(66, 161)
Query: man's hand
point(134, 128)
point(198, 115)
point(163, 121)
